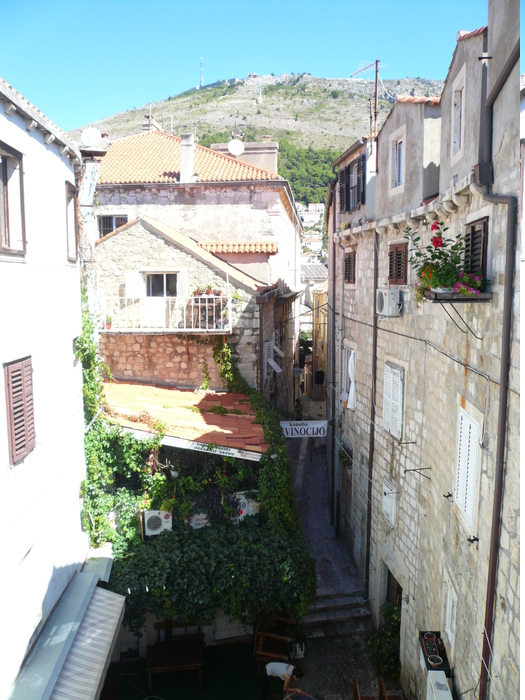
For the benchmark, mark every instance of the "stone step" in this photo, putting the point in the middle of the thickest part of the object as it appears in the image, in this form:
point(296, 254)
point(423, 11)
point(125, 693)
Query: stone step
point(338, 602)
point(323, 593)
point(331, 617)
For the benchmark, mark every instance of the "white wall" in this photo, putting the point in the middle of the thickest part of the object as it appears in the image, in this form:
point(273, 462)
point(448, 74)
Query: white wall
point(42, 544)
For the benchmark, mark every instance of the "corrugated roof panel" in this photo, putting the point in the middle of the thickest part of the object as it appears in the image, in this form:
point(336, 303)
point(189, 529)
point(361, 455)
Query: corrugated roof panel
point(83, 673)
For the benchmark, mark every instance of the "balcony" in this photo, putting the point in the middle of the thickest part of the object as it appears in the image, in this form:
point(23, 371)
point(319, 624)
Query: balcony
point(195, 314)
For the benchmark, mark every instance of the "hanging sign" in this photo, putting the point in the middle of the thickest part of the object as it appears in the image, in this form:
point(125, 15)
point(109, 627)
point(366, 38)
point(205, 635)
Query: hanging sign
point(304, 428)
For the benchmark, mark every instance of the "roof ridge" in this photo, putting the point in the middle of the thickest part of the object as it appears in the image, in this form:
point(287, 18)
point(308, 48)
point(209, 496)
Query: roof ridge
point(236, 160)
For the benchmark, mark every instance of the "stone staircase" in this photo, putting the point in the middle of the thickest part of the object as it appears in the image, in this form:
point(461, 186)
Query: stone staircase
point(337, 614)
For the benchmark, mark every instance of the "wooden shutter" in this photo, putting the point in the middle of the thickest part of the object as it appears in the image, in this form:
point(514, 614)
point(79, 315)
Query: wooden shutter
point(397, 264)
point(350, 267)
point(466, 470)
point(396, 414)
point(342, 189)
point(393, 166)
point(389, 501)
point(20, 410)
point(387, 398)
point(363, 179)
point(476, 247)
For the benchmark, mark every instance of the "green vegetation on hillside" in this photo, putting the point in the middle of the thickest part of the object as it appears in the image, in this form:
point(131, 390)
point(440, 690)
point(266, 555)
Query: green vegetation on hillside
point(309, 170)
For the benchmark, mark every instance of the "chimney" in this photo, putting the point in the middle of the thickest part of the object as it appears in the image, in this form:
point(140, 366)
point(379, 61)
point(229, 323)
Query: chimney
point(150, 124)
point(187, 158)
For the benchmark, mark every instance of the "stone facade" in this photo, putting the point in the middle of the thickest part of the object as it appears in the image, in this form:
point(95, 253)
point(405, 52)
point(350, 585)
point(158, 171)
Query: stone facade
point(168, 358)
point(450, 359)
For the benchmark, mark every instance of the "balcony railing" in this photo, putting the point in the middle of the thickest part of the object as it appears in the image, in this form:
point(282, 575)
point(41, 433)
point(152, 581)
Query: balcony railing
point(198, 314)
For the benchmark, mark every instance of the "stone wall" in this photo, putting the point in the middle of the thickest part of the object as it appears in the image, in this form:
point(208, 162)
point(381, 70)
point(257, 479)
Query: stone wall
point(168, 358)
point(446, 367)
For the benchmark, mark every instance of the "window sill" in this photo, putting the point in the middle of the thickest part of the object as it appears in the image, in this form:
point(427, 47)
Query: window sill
point(447, 298)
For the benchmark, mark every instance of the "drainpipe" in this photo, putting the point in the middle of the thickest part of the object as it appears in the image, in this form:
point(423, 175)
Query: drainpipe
point(372, 422)
point(340, 370)
point(332, 382)
point(510, 255)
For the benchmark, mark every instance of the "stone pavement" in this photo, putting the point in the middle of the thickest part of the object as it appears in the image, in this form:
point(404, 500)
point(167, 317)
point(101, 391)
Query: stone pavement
point(336, 650)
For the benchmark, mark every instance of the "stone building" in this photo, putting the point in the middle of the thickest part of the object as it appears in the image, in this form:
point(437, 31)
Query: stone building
point(425, 404)
point(233, 215)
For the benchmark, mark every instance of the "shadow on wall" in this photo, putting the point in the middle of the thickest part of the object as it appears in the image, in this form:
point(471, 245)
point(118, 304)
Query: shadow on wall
point(431, 180)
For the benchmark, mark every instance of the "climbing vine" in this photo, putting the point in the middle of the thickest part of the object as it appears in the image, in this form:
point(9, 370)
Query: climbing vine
point(260, 563)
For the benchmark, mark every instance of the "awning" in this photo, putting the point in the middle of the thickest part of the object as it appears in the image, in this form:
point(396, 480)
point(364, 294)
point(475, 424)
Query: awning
point(73, 652)
point(288, 296)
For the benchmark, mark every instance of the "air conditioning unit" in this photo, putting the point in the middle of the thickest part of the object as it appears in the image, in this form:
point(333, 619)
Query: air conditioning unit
point(389, 302)
point(156, 521)
point(437, 686)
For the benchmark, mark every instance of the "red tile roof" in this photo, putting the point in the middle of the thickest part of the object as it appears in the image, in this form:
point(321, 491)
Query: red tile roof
point(462, 34)
point(153, 157)
point(418, 99)
point(139, 406)
point(269, 247)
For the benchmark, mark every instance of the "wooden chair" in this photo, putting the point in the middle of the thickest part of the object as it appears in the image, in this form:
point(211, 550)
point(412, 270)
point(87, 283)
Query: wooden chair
point(183, 652)
point(271, 643)
point(382, 692)
point(357, 695)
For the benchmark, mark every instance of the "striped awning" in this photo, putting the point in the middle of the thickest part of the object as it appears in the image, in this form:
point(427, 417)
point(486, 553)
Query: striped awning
point(73, 652)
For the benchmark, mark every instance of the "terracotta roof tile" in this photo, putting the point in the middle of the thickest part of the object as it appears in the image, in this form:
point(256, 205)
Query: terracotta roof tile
point(153, 157)
point(462, 34)
point(418, 99)
point(128, 403)
point(269, 247)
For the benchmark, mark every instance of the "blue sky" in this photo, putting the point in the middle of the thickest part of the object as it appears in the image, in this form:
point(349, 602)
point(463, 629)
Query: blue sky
point(82, 61)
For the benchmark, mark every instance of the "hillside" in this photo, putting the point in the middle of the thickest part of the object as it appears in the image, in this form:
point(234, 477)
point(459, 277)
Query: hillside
point(304, 113)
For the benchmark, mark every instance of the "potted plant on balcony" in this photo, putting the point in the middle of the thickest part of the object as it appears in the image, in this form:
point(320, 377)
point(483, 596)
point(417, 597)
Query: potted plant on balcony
point(209, 290)
point(440, 266)
point(108, 322)
point(198, 291)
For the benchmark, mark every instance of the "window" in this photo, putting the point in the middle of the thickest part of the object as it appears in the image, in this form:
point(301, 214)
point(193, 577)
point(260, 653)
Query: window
point(20, 414)
point(397, 264)
point(352, 180)
point(107, 224)
point(12, 222)
point(71, 221)
point(389, 501)
point(393, 400)
point(476, 246)
point(350, 267)
point(348, 379)
point(450, 616)
point(466, 469)
point(396, 164)
point(161, 285)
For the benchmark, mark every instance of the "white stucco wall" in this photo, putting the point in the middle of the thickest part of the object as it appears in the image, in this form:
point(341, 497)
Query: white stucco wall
point(43, 544)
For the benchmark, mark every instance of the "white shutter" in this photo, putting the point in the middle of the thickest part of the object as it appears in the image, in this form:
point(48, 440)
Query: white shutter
point(389, 501)
point(352, 401)
point(387, 398)
point(135, 286)
point(393, 165)
point(270, 363)
point(396, 415)
point(466, 471)
point(182, 284)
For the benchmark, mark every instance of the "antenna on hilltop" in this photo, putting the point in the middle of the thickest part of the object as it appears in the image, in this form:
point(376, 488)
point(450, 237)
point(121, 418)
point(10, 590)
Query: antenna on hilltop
point(201, 71)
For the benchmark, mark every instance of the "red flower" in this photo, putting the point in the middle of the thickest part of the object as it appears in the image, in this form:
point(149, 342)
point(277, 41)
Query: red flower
point(224, 473)
point(437, 241)
point(434, 226)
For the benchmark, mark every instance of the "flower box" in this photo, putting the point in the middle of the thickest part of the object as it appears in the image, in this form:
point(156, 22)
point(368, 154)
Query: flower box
point(434, 646)
point(447, 297)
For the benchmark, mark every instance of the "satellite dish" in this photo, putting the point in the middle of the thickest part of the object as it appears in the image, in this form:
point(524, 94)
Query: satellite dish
point(91, 137)
point(236, 147)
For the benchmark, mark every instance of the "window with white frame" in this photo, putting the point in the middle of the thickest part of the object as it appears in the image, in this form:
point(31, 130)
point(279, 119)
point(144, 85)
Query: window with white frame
point(12, 222)
point(467, 466)
point(348, 386)
point(397, 147)
point(393, 400)
point(108, 224)
point(161, 284)
point(450, 616)
point(71, 221)
point(353, 186)
point(389, 500)
point(457, 125)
